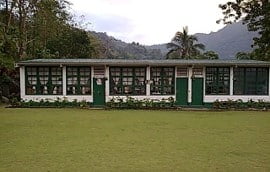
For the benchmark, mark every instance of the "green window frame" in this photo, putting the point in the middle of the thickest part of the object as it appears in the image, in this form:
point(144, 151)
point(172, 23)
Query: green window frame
point(78, 80)
point(217, 81)
point(43, 80)
point(127, 81)
point(251, 81)
point(162, 80)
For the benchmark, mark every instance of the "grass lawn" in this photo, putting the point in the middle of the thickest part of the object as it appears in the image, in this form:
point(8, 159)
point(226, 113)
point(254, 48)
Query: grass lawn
point(98, 140)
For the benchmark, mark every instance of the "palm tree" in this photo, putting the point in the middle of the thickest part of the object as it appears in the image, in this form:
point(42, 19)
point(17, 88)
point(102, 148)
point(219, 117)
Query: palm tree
point(184, 46)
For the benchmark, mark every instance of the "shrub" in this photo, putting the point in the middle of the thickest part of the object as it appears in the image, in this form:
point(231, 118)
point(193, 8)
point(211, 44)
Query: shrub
point(240, 105)
point(132, 103)
point(57, 103)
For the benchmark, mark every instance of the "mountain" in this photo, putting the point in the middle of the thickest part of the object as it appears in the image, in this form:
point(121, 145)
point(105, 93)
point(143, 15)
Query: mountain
point(114, 48)
point(226, 42)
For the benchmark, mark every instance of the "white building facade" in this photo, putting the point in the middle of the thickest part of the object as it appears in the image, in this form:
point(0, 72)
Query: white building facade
point(188, 82)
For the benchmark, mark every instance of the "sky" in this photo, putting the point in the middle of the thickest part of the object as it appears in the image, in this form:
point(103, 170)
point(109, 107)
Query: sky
point(148, 21)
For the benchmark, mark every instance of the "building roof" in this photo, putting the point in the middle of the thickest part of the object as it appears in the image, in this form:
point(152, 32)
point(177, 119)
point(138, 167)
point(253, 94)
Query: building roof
point(129, 62)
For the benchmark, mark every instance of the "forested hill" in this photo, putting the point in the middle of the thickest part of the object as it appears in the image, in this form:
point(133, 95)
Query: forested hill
point(114, 48)
point(229, 40)
point(226, 42)
point(47, 29)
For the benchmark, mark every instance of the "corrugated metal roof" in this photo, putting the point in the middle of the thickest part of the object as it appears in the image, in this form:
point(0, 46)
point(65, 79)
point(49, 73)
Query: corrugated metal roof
point(126, 62)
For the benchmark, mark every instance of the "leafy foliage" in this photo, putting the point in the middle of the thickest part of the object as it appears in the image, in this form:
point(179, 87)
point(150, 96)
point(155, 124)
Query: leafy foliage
point(184, 46)
point(245, 56)
point(210, 55)
point(256, 14)
point(240, 105)
point(131, 103)
point(71, 43)
point(42, 29)
point(48, 103)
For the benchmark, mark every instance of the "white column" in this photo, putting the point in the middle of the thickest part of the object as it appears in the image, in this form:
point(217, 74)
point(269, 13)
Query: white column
point(269, 83)
point(92, 80)
point(64, 69)
point(204, 79)
point(175, 77)
point(107, 83)
point(231, 81)
point(148, 79)
point(22, 81)
point(189, 84)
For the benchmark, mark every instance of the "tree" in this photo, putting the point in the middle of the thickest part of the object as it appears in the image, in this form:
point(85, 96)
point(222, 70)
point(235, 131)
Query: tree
point(26, 23)
point(40, 29)
point(36, 29)
point(210, 55)
point(183, 46)
point(245, 56)
point(256, 14)
point(71, 43)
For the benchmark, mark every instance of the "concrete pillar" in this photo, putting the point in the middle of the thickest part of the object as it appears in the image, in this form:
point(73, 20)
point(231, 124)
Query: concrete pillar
point(204, 79)
point(269, 83)
point(148, 79)
point(64, 69)
point(189, 84)
point(22, 81)
point(107, 83)
point(231, 81)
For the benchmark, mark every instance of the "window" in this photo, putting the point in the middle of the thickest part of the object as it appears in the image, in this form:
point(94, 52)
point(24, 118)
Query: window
point(78, 80)
point(56, 79)
point(44, 81)
point(162, 80)
point(217, 81)
point(127, 81)
point(250, 81)
point(31, 80)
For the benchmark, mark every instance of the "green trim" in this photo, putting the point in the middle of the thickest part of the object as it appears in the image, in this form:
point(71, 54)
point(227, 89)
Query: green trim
point(99, 99)
point(247, 81)
point(216, 79)
point(126, 78)
point(159, 80)
point(77, 76)
point(49, 83)
point(181, 91)
point(197, 91)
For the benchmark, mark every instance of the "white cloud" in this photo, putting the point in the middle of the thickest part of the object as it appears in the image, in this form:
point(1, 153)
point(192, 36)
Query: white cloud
point(150, 21)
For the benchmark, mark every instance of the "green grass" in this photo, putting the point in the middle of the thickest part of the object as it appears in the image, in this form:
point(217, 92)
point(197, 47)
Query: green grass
point(97, 140)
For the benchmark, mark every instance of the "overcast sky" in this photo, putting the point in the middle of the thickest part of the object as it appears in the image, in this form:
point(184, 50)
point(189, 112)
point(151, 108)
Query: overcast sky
point(149, 21)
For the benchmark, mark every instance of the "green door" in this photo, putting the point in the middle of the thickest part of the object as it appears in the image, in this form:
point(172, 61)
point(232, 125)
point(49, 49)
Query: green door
point(98, 92)
point(181, 91)
point(197, 91)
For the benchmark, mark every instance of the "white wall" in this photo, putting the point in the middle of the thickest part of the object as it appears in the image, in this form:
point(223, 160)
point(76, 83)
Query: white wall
point(147, 96)
point(89, 98)
point(244, 98)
